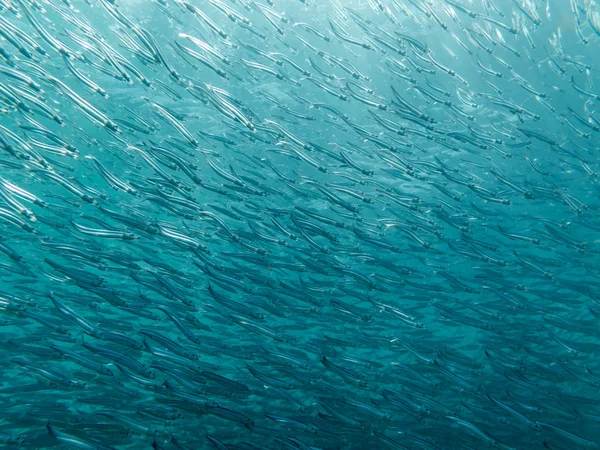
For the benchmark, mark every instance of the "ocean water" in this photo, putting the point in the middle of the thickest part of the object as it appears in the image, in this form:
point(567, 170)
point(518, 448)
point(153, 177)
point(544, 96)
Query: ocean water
point(289, 224)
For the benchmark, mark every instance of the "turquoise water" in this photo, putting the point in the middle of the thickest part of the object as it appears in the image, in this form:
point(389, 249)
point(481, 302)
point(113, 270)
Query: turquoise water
point(299, 225)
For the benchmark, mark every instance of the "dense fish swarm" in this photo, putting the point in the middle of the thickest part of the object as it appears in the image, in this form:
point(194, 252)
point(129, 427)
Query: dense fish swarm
point(299, 224)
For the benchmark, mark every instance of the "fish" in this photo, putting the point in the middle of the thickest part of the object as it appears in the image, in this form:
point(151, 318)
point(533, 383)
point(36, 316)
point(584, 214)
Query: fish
point(299, 224)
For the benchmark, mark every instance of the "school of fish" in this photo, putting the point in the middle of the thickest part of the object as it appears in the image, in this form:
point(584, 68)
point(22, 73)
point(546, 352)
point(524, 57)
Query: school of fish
point(300, 224)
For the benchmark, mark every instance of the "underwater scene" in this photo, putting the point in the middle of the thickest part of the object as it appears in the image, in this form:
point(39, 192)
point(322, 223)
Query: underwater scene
point(300, 224)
